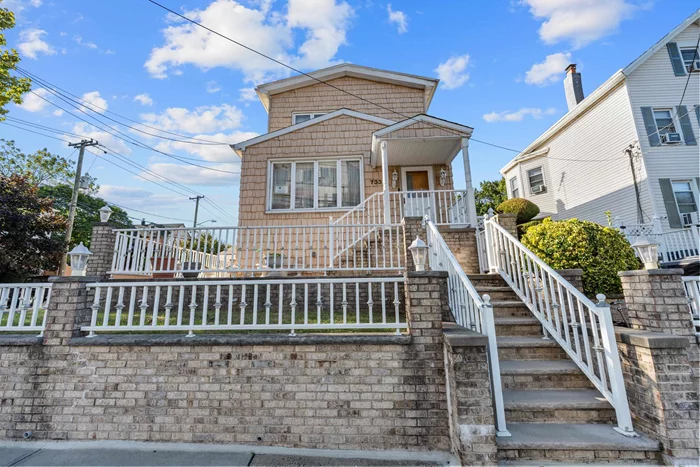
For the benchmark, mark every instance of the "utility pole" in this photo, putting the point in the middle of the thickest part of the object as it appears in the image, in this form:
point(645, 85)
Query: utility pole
point(196, 208)
point(74, 199)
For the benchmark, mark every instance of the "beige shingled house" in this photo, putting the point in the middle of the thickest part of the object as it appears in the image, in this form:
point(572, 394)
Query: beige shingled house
point(350, 141)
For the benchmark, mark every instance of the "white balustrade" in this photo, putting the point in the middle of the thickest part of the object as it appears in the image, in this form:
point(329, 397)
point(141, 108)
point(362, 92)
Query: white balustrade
point(692, 290)
point(469, 310)
point(674, 245)
point(23, 307)
point(251, 304)
point(582, 328)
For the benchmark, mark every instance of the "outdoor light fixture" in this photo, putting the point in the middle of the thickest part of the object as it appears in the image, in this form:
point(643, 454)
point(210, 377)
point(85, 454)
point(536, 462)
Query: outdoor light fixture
point(394, 179)
point(105, 212)
point(78, 259)
point(419, 251)
point(648, 252)
point(443, 176)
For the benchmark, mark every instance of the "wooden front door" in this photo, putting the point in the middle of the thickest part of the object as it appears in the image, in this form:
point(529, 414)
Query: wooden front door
point(418, 198)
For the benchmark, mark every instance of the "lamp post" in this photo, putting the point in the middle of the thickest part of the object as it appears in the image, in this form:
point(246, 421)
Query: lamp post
point(648, 252)
point(105, 213)
point(419, 252)
point(204, 222)
point(78, 259)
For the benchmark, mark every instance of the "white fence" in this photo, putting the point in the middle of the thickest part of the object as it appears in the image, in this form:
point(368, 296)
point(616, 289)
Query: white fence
point(469, 310)
point(692, 290)
point(256, 304)
point(582, 328)
point(230, 251)
point(674, 245)
point(23, 307)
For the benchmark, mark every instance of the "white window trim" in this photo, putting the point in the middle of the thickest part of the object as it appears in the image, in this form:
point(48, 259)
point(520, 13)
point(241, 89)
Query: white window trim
point(317, 113)
point(292, 189)
point(695, 68)
point(529, 182)
point(510, 185)
point(676, 125)
point(418, 168)
point(693, 188)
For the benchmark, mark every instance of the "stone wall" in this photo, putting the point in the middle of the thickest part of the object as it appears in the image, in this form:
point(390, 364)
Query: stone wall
point(462, 244)
point(102, 244)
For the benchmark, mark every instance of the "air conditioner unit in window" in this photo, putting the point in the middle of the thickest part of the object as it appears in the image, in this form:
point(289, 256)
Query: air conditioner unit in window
point(539, 189)
point(689, 218)
point(671, 138)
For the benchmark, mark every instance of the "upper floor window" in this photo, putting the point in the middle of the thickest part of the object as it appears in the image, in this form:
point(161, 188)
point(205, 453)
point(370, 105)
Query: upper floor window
point(685, 200)
point(315, 184)
point(666, 126)
point(302, 117)
point(536, 179)
point(514, 190)
point(691, 59)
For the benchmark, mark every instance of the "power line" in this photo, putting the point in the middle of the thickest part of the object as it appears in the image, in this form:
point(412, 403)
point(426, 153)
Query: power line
point(35, 132)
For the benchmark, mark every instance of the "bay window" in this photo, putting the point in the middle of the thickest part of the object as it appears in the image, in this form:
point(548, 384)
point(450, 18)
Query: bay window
point(316, 184)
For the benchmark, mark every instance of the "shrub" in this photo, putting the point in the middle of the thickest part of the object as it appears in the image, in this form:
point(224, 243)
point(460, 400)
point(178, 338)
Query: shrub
point(524, 210)
point(522, 228)
point(571, 244)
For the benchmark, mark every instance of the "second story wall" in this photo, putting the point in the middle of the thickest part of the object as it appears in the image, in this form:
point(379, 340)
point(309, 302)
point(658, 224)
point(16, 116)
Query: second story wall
point(323, 98)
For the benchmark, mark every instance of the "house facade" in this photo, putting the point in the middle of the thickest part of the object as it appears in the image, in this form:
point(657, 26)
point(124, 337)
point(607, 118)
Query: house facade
point(630, 148)
point(338, 137)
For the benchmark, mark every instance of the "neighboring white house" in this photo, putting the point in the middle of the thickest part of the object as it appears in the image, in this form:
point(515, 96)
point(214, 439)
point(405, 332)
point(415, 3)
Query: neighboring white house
point(630, 147)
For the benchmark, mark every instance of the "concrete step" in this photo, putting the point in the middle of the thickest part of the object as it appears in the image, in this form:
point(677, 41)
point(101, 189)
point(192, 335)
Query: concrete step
point(536, 375)
point(529, 348)
point(518, 326)
point(497, 292)
point(557, 406)
point(488, 280)
point(510, 308)
point(573, 444)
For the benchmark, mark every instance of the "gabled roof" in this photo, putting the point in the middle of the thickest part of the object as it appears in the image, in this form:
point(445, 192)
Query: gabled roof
point(439, 122)
point(600, 92)
point(264, 91)
point(241, 147)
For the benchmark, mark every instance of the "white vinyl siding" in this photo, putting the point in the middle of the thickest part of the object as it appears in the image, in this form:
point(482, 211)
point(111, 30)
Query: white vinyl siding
point(653, 84)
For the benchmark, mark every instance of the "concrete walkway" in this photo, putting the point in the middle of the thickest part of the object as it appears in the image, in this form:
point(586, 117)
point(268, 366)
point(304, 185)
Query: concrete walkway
point(98, 453)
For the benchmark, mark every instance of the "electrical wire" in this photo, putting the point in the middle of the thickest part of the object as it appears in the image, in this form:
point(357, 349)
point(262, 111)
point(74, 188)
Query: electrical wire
point(35, 132)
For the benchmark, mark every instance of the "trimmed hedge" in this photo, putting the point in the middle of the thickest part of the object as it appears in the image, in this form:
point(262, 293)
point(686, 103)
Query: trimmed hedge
point(522, 228)
point(524, 210)
point(600, 251)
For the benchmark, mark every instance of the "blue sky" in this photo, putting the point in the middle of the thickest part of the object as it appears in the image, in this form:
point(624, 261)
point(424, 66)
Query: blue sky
point(501, 65)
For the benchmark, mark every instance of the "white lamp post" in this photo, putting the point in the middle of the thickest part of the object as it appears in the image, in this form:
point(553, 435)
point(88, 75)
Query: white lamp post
point(105, 213)
point(648, 252)
point(78, 259)
point(419, 251)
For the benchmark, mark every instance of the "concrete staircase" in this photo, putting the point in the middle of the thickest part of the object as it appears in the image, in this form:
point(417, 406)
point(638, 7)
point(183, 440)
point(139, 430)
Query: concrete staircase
point(553, 411)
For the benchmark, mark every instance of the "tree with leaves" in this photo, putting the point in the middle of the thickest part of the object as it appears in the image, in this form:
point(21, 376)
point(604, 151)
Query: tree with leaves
point(11, 87)
point(489, 195)
point(31, 230)
point(40, 168)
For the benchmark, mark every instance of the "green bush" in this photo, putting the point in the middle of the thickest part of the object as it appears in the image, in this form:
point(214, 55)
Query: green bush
point(524, 210)
point(573, 244)
point(522, 228)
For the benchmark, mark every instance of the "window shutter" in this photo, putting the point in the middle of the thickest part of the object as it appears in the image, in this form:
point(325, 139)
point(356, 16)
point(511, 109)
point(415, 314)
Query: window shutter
point(686, 127)
point(676, 61)
point(697, 113)
point(648, 116)
point(674, 218)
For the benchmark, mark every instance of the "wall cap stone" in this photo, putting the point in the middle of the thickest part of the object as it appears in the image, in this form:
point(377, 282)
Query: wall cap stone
point(459, 336)
point(63, 279)
point(21, 339)
point(240, 339)
point(417, 274)
point(446, 228)
point(108, 224)
point(649, 339)
point(569, 272)
point(652, 272)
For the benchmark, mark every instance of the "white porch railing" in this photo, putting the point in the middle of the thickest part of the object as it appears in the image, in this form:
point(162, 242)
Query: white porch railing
point(582, 328)
point(674, 245)
point(23, 307)
point(235, 305)
point(469, 310)
point(228, 251)
point(692, 290)
point(481, 246)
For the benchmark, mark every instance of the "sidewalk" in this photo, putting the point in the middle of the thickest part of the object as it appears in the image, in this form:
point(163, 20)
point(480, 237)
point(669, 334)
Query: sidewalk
point(39, 453)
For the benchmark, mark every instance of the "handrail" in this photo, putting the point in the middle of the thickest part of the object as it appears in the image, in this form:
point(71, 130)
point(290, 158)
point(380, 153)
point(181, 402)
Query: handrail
point(23, 306)
point(470, 311)
point(582, 328)
point(360, 207)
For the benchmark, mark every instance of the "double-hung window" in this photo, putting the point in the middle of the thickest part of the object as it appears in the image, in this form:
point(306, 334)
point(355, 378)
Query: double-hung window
point(691, 59)
point(302, 117)
point(317, 184)
point(685, 200)
point(666, 126)
point(536, 179)
point(514, 190)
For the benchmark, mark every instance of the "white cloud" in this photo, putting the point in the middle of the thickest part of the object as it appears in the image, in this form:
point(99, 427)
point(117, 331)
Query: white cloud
point(453, 72)
point(549, 71)
point(107, 139)
point(213, 153)
point(144, 99)
point(138, 198)
point(79, 40)
point(204, 119)
point(247, 95)
point(324, 22)
point(213, 87)
point(18, 6)
point(517, 116)
point(191, 175)
point(31, 102)
point(32, 43)
point(579, 21)
point(94, 102)
point(58, 112)
point(398, 17)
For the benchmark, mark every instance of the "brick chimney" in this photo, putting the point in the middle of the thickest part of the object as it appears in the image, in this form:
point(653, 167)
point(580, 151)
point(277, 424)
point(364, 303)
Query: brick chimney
point(573, 87)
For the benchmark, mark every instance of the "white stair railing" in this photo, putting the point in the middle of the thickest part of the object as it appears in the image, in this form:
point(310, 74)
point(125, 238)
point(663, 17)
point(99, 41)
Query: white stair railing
point(470, 311)
point(582, 328)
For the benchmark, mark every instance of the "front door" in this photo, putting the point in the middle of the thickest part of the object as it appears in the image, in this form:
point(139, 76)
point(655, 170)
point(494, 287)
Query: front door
point(418, 199)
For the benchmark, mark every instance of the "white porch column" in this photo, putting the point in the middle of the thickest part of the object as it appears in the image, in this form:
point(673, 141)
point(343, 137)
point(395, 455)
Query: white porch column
point(471, 204)
point(385, 181)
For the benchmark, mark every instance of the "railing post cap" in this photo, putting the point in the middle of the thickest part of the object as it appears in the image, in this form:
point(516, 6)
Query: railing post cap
point(487, 299)
point(601, 299)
